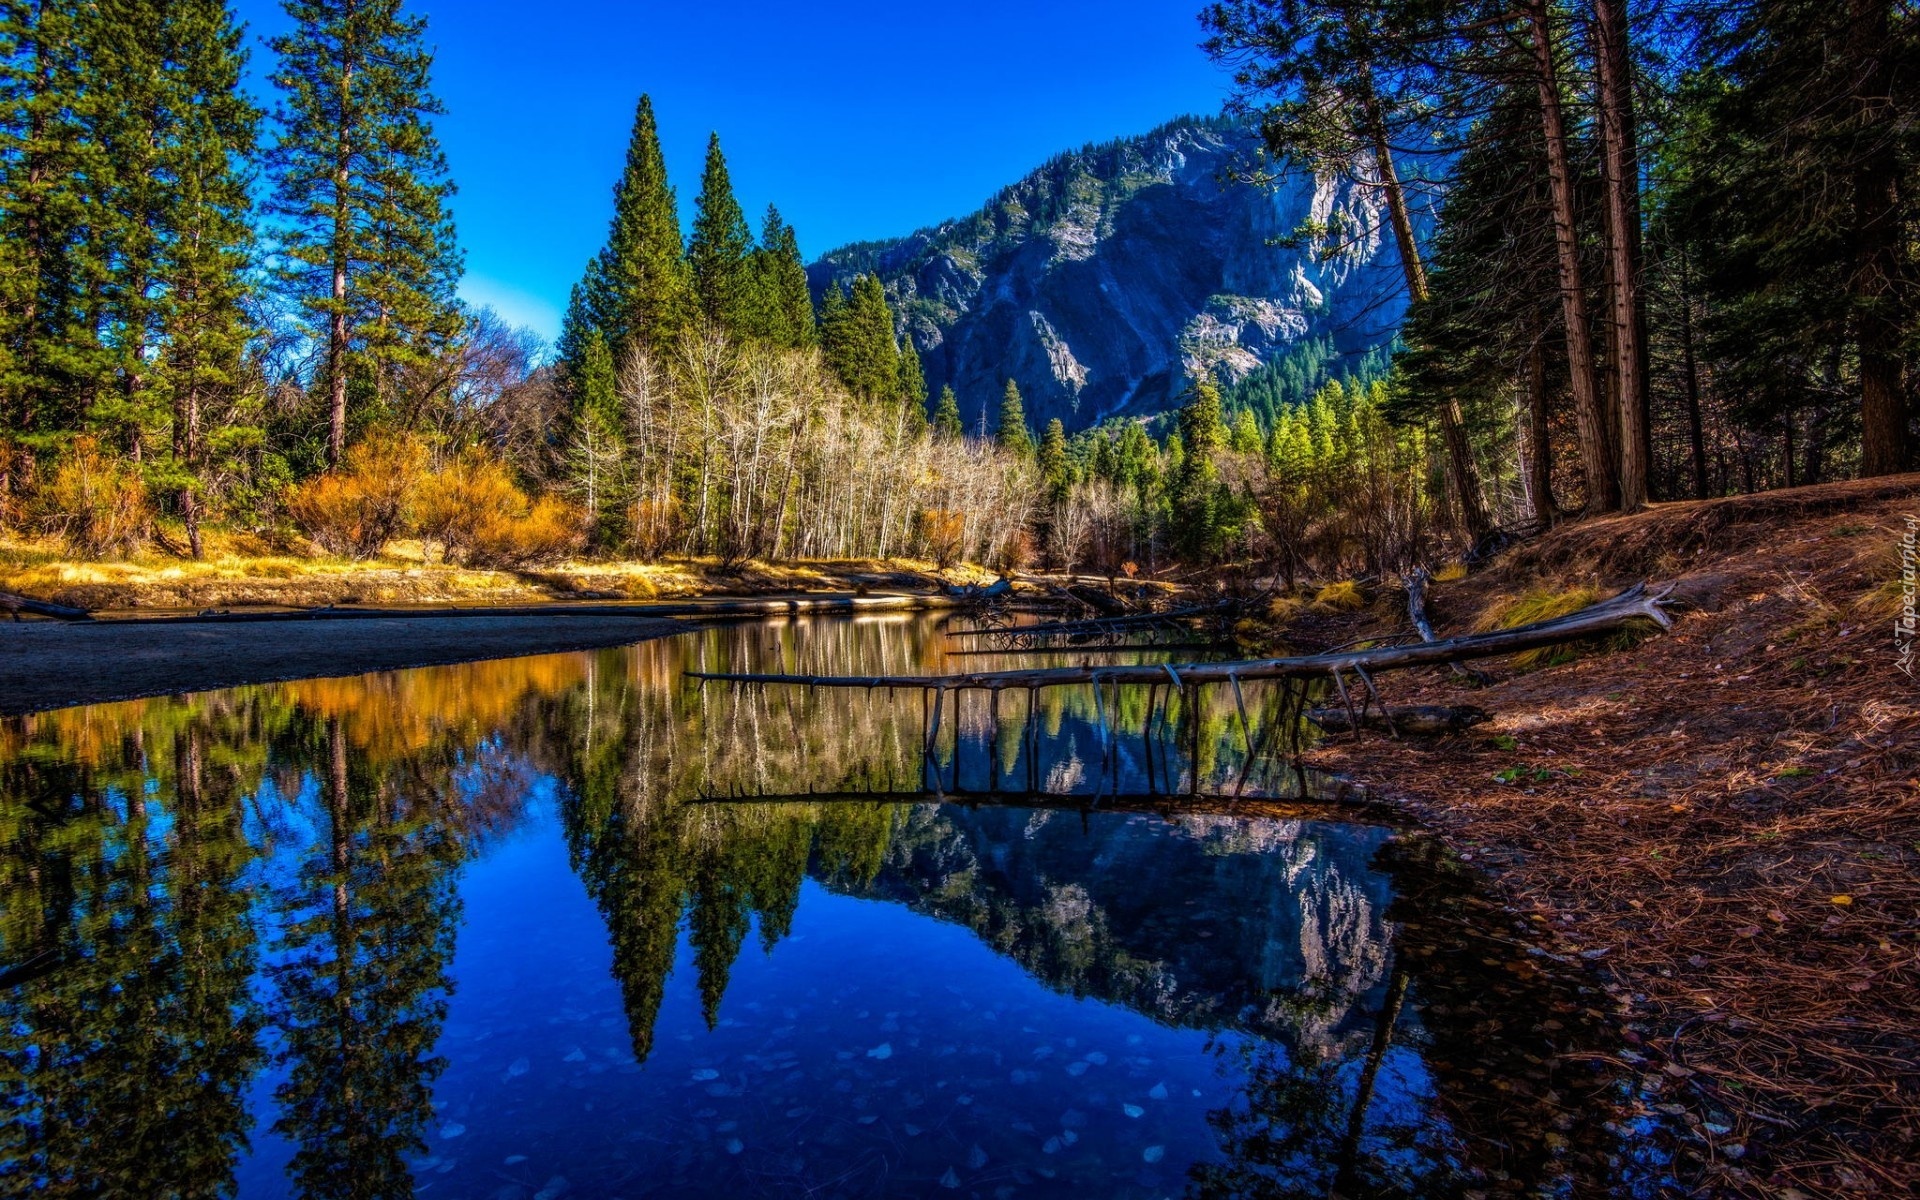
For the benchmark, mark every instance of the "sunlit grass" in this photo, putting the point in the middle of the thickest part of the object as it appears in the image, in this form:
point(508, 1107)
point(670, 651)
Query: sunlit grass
point(242, 569)
point(1344, 596)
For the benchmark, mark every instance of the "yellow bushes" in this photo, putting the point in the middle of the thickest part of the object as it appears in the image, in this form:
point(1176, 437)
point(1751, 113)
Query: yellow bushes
point(95, 502)
point(355, 511)
point(470, 507)
point(943, 532)
point(479, 517)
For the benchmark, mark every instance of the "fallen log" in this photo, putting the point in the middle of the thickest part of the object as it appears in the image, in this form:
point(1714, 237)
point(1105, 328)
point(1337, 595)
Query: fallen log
point(1130, 621)
point(1112, 649)
point(1426, 720)
point(1634, 604)
point(1002, 586)
point(1342, 802)
point(15, 605)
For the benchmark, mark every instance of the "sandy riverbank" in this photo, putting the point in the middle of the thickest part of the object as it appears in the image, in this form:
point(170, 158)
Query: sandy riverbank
point(45, 665)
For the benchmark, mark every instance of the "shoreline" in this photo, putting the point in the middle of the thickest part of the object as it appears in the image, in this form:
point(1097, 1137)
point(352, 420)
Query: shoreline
point(47, 665)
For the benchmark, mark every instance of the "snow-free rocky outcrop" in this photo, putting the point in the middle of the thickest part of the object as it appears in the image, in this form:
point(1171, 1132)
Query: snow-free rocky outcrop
point(1106, 281)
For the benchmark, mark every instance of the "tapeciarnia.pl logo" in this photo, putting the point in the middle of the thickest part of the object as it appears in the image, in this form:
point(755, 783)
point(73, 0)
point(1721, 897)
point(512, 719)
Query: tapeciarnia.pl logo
point(1905, 625)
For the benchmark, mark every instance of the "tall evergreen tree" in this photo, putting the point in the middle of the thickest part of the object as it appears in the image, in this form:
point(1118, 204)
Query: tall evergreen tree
point(720, 254)
point(946, 415)
point(638, 292)
point(1808, 223)
point(1056, 470)
point(867, 356)
point(205, 136)
point(50, 263)
point(366, 240)
point(835, 344)
point(911, 387)
point(1012, 432)
point(1339, 97)
point(784, 302)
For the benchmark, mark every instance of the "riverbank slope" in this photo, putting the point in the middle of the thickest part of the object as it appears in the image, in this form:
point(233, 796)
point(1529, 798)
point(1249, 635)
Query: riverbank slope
point(1726, 819)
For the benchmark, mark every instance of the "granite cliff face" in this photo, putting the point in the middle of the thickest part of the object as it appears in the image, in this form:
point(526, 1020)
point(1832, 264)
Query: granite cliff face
point(1106, 281)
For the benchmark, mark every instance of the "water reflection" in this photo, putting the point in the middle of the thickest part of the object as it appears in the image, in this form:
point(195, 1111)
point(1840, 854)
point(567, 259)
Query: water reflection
point(231, 928)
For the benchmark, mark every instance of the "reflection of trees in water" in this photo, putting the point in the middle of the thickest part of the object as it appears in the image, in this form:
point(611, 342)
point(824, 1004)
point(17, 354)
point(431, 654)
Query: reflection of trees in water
point(646, 749)
point(126, 1027)
point(1369, 1071)
point(366, 924)
point(148, 849)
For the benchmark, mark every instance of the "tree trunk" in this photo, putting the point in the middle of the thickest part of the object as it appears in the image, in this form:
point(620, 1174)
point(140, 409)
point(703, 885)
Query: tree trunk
point(337, 339)
point(1613, 59)
point(1690, 365)
point(186, 449)
point(1877, 242)
point(1596, 440)
point(1453, 434)
point(1536, 449)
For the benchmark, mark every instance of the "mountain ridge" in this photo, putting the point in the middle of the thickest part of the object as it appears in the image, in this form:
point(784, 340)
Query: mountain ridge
point(1109, 278)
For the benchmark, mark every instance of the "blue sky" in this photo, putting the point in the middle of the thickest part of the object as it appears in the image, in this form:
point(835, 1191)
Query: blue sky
point(859, 119)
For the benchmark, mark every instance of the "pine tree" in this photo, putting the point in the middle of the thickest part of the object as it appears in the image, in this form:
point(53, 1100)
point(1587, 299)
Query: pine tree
point(911, 387)
point(863, 348)
point(946, 416)
point(576, 326)
point(1197, 515)
point(1343, 93)
point(785, 303)
point(638, 291)
point(720, 253)
point(835, 343)
point(1056, 471)
point(50, 268)
point(1807, 221)
point(1012, 433)
point(206, 243)
point(360, 187)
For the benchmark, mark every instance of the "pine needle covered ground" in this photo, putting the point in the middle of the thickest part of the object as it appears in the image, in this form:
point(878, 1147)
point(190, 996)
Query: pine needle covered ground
point(1726, 819)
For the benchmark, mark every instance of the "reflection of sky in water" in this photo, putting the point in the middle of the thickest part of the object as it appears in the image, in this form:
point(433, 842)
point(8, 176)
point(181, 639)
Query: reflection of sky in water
point(875, 1050)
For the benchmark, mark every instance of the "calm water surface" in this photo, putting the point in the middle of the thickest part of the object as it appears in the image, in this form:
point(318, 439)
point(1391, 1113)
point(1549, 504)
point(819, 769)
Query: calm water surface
point(485, 931)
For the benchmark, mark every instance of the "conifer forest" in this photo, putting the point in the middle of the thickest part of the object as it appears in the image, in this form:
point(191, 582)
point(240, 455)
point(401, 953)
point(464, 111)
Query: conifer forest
point(1671, 257)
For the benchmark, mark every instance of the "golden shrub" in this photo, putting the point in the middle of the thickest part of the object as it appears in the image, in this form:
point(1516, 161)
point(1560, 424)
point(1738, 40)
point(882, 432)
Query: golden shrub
point(479, 517)
point(96, 502)
point(943, 532)
point(356, 510)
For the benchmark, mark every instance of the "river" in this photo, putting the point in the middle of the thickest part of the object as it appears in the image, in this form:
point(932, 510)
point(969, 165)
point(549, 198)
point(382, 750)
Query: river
point(570, 926)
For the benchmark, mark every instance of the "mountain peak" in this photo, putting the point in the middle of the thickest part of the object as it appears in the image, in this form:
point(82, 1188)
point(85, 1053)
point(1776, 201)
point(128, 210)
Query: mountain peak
point(1108, 279)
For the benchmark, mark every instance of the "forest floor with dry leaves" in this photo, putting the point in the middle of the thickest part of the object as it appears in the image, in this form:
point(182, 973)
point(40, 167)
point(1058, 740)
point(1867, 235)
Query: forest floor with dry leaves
point(1724, 819)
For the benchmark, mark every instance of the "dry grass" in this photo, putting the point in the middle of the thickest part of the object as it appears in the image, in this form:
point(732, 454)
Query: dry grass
point(242, 571)
point(1344, 596)
point(1725, 820)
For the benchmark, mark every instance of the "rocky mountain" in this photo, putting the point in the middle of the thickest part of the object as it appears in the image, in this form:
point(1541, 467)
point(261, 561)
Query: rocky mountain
point(1104, 282)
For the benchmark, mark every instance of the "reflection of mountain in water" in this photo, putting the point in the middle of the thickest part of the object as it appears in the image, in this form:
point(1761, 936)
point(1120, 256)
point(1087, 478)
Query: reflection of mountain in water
point(1272, 927)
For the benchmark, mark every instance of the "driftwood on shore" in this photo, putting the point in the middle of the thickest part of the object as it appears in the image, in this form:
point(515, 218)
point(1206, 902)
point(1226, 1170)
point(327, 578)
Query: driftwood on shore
point(15, 605)
point(1608, 616)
